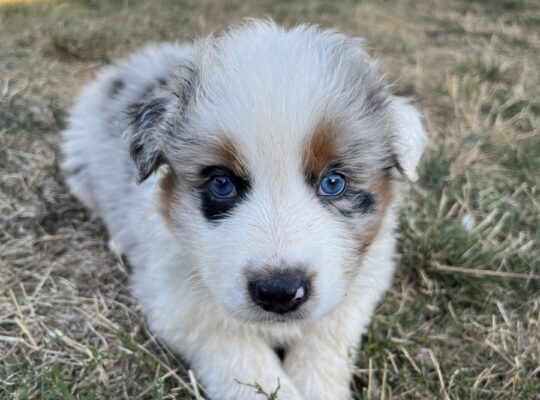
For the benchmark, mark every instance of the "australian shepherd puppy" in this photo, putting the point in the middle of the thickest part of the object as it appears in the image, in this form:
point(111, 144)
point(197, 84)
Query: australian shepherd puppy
point(250, 179)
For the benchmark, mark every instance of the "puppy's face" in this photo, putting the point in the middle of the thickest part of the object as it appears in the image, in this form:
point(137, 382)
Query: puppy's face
point(281, 148)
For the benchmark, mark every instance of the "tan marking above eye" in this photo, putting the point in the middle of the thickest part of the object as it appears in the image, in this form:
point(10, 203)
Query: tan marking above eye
point(229, 156)
point(320, 149)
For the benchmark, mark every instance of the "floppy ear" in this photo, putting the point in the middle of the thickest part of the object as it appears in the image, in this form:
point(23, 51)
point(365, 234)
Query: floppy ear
point(156, 118)
point(409, 137)
point(146, 134)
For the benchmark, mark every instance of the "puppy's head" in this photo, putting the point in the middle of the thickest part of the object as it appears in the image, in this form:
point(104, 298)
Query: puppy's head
point(281, 151)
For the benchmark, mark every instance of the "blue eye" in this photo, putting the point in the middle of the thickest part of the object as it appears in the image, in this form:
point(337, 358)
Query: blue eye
point(332, 185)
point(222, 187)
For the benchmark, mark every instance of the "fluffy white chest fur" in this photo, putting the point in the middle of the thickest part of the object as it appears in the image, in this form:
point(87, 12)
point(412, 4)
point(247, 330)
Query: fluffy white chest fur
point(250, 180)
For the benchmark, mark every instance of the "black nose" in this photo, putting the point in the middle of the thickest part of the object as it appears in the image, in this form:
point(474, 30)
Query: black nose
point(280, 291)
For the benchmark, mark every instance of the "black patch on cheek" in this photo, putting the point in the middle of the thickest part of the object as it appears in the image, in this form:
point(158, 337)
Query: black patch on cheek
point(355, 202)
point(215, 209)
point(363, 202)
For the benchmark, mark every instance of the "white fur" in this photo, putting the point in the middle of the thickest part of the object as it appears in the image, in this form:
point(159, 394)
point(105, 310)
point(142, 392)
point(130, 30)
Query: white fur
point(411, 139)
point(266, 88)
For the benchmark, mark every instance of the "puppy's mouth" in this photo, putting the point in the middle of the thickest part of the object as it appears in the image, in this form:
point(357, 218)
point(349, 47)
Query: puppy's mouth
point(268, 317)
point(259, 316)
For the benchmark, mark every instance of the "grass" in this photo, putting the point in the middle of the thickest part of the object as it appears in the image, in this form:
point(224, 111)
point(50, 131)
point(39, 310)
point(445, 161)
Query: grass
point(462, 320)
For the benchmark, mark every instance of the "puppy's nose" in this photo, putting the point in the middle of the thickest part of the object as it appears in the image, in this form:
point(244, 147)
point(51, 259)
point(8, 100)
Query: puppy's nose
point(280, 291)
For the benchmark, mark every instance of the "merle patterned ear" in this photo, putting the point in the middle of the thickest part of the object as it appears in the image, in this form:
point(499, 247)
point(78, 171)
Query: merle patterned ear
point(145, 135)
point(409, 138)
point(156, 118)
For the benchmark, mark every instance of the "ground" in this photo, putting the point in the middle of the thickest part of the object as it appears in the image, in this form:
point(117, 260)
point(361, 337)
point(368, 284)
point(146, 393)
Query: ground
point(462, 320)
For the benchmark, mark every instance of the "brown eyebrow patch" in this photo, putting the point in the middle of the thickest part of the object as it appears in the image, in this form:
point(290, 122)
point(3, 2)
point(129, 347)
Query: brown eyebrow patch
point(167, 196)
point(320, 150)
point(228, 154)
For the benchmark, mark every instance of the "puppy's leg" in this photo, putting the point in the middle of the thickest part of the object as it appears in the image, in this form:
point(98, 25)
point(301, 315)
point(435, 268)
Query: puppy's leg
point(320, 363)
point(320, 366)
point(229, 366)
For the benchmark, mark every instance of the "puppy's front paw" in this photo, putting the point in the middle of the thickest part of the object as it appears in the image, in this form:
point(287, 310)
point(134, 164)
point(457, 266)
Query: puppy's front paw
point(245, 369)
point(278, 392)
point(319, 375)
point(281, 389)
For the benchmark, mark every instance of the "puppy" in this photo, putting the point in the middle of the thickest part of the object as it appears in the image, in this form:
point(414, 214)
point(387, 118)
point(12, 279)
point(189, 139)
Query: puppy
point(250, 180)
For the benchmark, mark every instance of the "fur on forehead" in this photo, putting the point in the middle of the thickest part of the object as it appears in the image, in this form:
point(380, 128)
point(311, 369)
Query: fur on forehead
point(301, 73)
point(268, 89)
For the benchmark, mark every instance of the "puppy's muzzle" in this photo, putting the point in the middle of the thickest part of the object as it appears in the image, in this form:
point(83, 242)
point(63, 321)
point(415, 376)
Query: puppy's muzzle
point(280, 291)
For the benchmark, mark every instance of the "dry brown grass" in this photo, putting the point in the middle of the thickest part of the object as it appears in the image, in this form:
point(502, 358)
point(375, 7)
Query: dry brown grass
point(463, 317)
